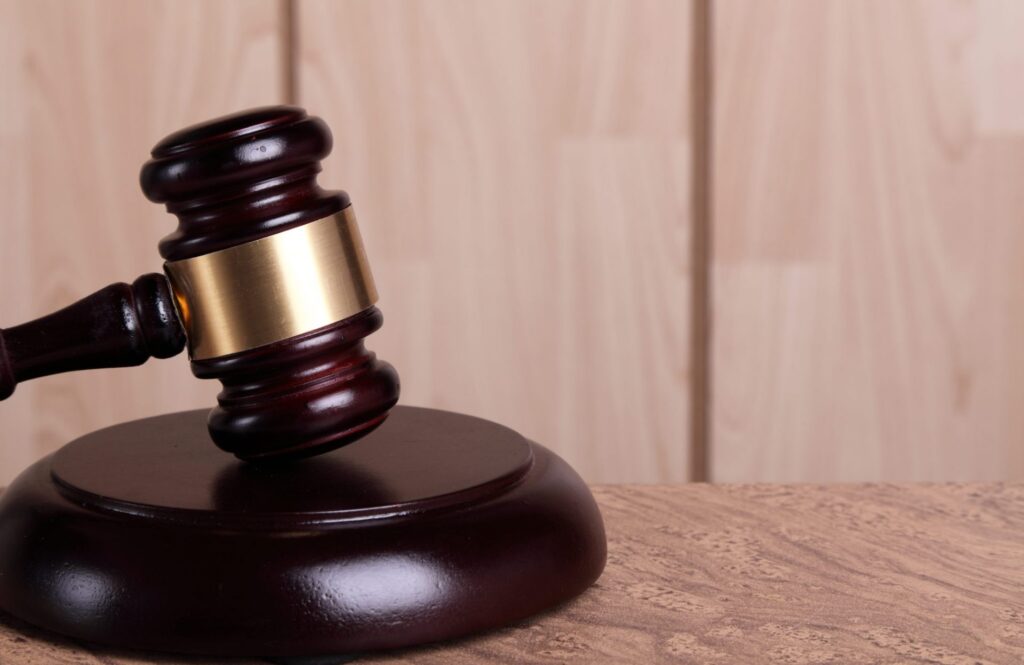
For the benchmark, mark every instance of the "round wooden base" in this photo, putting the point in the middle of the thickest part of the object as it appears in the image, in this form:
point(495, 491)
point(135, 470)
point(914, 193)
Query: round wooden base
point(436, 525)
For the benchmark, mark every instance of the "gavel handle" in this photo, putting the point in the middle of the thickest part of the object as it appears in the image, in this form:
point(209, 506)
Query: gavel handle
point(118, 326)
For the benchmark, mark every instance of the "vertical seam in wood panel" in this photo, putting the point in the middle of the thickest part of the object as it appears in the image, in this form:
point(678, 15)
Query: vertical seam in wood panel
point(700, 247)
point(290, 50)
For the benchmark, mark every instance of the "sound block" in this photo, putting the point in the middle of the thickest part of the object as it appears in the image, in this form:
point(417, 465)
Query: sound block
point(144, 535)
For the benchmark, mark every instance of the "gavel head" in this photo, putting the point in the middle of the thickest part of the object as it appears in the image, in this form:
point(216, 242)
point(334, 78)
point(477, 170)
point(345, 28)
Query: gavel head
point(271, 283)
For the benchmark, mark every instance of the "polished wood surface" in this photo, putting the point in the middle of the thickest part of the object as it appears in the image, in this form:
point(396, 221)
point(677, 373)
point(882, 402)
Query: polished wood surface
point(240, 177)
point(521, 172)
point(868, 245)
point(230, 181)
point(434, 526)
point(90, 86)
point(121, 325)
point(796, 574)
point(237, 179)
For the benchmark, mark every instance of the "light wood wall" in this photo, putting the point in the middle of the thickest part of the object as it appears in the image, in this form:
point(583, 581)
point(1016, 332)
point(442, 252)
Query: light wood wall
point(525, 201)
point(85, 90)
point(868, 211)
point(670, 239)
point(520, 171)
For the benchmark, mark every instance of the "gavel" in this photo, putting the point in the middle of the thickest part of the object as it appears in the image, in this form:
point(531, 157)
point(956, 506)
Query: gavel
point(265, 280)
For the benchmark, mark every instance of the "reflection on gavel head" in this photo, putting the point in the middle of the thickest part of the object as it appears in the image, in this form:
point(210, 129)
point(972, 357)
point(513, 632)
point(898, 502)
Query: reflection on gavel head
point(271, 284)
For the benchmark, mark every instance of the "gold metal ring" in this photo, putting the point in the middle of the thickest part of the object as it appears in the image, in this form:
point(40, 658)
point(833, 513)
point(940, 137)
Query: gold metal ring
point(273, 288)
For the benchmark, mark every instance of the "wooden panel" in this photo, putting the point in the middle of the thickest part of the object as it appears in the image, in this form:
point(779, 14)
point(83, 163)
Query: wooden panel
point(521, 171)
point(90, 87)
point(750, 574)
point(868, 262)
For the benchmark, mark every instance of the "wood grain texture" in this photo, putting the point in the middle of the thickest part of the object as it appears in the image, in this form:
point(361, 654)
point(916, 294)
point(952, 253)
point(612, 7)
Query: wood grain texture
point(757, 573)
point(868, 246)
point(95, 85)
point(521, 171)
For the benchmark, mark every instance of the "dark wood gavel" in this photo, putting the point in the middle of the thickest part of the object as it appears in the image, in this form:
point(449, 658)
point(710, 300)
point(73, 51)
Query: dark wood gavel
point(266, 282)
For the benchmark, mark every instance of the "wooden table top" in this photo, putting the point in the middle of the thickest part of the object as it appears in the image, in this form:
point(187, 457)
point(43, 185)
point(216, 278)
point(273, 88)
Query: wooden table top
point(756, 573)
